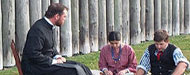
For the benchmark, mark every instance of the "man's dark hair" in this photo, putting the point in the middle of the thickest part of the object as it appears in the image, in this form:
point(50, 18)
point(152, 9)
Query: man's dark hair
point(55, 8)
point(114, 36)
point(161, 35)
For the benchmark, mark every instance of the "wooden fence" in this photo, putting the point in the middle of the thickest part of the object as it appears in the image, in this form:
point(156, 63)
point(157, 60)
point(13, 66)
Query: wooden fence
point(89, 21)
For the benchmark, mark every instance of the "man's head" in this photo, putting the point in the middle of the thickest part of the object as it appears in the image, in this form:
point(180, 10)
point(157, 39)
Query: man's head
point(161, 39)
point(114, 39)
point(57, 13)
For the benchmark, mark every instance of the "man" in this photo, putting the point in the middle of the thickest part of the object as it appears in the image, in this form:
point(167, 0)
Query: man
point(162, 58)
point(40, 56)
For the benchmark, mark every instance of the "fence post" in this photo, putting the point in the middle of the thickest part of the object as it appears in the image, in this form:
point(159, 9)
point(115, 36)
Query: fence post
point(109, 15)
point(125, 22)
point(164, 15)
point(35, 11)
point(22, 23)
point(75, 25)
point(84, 26)
point(1, 49)
point(149, 19)
point(142, 19)
point(8, 29)
point(175, 16)
point(66, 32)
point(170, 25)
point(118, 15)
point(93, 25)
point(45, 4)
point(157, 14)
point(181, 9)
point(187, 17)
point(102, 37)
point(135, 21)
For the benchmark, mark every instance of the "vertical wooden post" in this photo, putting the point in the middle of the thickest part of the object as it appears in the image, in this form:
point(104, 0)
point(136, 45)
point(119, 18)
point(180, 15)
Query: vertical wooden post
point(170, 26)
point(66, 32)
point(149, 19)
point(181, 9)
point(175, 15)
point(102, 37)
point(75, 25)
point(84, 26)
point(8, 29)
point(157, 14)
point(22, 23)
point(187, 17)
point(142, 19)
point(109, 15)
point(1, 47)
point(125, 22)
point(135, 21)
point(35, 11)
point(93, 24)
point(164, 14)
point(118, 15)
point(45, 4)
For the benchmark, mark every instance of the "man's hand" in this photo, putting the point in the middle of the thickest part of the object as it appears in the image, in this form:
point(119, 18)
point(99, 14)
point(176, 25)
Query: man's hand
point(61, 60)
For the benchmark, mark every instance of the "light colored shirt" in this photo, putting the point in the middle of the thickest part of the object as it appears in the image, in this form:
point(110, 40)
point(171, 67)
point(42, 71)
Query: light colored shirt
point(145, 60)
point(127, 59)
point(54, 26)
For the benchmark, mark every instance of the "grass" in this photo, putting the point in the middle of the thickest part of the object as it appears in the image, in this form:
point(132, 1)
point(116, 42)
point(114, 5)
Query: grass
point(91, 59)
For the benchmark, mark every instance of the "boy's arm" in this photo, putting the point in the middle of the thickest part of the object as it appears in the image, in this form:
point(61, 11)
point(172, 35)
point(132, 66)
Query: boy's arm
point(180, 69)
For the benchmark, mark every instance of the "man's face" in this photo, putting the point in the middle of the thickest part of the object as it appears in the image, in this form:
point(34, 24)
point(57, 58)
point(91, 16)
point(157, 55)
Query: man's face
point(115, 44)
point(161, 45)
point(61, 18)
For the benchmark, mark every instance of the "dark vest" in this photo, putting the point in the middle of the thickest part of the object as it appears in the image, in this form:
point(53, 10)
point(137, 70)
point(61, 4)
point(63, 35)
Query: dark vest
point(166, 65)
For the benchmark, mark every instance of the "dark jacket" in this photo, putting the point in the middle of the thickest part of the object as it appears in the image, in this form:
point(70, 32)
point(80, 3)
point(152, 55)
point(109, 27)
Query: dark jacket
point(38, 51)
point(165, 65)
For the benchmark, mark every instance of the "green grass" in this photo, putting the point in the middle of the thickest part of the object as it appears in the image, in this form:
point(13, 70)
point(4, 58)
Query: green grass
point(91, 59)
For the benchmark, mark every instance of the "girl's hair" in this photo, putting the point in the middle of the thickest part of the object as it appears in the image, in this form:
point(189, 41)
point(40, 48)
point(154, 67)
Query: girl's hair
point(114, 36)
